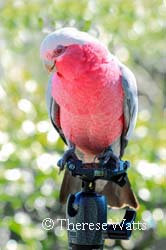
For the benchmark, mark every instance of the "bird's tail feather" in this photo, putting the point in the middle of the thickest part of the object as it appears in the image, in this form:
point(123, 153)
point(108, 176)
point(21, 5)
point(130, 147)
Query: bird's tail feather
point(116, 196)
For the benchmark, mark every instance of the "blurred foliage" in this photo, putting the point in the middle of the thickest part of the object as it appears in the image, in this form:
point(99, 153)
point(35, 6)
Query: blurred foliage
point(29, 181)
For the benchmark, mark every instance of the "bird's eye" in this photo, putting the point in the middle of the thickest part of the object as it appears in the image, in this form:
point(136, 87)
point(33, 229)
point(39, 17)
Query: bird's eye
point(59, 50)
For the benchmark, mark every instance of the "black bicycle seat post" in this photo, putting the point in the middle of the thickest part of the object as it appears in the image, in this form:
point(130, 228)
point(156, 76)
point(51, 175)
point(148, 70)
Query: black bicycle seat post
point(86, 213)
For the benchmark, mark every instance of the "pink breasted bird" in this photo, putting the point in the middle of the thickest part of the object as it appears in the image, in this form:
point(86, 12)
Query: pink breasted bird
point(92, 103)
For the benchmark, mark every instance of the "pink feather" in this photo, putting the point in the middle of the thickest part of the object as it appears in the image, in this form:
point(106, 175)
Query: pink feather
point(88, 89)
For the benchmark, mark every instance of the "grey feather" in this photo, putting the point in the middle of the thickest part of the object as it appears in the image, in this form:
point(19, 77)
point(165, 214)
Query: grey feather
point(130, 107)
point(131, 100)
point(49, 96)
point(53, 110)
point(130, 104)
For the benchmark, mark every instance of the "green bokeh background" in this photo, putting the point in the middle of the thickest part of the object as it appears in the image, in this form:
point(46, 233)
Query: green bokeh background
point(29, 147)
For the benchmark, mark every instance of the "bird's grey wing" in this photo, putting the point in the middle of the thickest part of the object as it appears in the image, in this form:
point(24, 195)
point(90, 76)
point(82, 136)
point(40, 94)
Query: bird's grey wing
point(54, 110)
point(130, 104)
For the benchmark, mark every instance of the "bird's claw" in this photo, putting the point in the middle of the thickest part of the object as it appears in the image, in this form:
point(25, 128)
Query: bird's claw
point(68, 154)
point(60, 165)
point(107, 156)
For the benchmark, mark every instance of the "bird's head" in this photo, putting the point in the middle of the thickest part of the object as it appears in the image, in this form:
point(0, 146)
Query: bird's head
point(56, 44)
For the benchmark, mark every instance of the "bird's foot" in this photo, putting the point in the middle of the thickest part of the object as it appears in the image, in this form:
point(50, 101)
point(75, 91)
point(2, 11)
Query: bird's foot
point(108, 157)
point(68, 154)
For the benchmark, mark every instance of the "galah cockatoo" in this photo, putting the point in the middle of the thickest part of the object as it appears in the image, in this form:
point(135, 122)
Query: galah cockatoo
point(92, 103)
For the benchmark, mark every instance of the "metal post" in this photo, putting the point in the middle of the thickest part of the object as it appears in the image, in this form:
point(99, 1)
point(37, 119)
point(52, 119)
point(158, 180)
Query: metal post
point(86, 214)
point(86, 211)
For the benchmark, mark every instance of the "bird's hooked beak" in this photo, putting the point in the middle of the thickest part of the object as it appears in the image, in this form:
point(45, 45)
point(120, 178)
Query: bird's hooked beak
point(49, 65)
